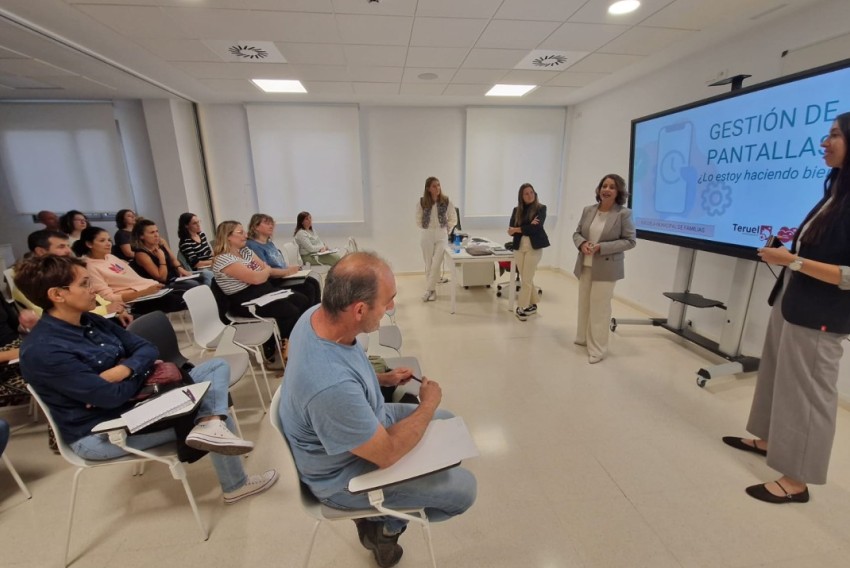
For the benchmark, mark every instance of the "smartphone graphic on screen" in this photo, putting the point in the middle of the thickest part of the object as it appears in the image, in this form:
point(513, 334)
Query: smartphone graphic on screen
point(674, 154)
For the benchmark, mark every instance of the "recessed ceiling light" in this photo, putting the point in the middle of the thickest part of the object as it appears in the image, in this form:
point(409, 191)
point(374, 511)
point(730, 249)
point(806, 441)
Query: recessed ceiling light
point(509, 90)
point(427, 76)
point(623, 7)
point(280, 85)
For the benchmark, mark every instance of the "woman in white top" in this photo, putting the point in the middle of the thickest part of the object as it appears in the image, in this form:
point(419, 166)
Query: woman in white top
point(309, 243)
point(435, 217)
point(604, 232)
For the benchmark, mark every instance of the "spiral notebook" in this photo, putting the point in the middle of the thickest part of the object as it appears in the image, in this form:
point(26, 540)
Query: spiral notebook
point(167, 405)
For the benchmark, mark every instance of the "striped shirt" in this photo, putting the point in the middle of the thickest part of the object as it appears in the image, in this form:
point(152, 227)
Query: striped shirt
point(228, 284)
point(195, 252)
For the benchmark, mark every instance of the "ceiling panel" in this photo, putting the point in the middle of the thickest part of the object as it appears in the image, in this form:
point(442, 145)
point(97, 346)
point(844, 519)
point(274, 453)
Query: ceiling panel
point(376, 74)
point(552, 10)
point(582, 37)
point(10, 54)
point(552, 94)
point(375, 55)
point(493, 58)
point(318, 72)
point(478, 76)
point(288, 5)
point(460, 89)
point(136, 21)
point(203, 70)
point(313, 53)
point(446, 32)
point(249, 25)
point(645, 41)
point(31, 68)
point(528, 77)
point(328, 87)
point(457, 8)
point(177, 49)
point(411, 75)
point(374, 30)
point(436, 56)
point(376, 88)
point(386, 8)
point(575, 79)
point(605, 62)
point(422, 89)
point(515, 34)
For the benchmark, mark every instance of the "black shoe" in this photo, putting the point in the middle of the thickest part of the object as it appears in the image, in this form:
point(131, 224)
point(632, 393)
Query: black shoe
point(521, 315)
point(386, 549)
point(532, 309)
point(761, 493)
point(738, 444)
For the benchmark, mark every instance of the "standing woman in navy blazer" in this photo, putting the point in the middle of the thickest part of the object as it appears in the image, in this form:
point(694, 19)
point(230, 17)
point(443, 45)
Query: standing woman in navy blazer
point(530, 239)
point(605, 231)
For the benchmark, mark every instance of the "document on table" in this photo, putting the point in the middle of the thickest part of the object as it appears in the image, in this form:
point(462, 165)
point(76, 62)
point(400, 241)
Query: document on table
point(268, 298)
point(445, 444)
point(329, 251)
point(171, 403)
point(301, 274)
point(158, 294)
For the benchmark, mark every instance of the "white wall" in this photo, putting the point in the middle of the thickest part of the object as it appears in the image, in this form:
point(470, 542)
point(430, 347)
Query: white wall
point(401, 147)
point(600, 131)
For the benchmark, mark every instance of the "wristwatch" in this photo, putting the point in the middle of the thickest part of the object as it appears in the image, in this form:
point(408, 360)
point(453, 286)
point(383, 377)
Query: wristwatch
point(796, 264)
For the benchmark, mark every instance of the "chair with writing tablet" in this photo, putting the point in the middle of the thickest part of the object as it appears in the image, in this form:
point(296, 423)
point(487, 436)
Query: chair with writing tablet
point(165, 454)
point(208, 329)
point(156, 328)
point(320, 512)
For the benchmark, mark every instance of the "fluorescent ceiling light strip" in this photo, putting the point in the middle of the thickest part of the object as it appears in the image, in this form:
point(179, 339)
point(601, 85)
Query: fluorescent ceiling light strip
point(509, 90)
point(623, 7)
point(280, 85)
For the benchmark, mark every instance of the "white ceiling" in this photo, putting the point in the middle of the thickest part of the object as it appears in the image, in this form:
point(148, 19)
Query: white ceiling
point(351, 50)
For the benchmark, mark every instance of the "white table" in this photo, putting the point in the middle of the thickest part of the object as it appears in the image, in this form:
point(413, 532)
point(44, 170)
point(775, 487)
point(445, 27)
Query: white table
point(455, 259)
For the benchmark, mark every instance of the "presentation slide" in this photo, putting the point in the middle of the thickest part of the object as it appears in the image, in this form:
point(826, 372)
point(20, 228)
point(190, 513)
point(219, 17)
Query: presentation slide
point(732, 172)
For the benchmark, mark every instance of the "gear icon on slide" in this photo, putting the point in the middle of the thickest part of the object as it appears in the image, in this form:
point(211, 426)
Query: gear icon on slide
point(716, 198)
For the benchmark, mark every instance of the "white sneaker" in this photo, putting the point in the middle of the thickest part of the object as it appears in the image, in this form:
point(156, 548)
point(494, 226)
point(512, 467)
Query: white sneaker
point(443, 280)
point(255, 484)
point(213, 436)
point(429, 296)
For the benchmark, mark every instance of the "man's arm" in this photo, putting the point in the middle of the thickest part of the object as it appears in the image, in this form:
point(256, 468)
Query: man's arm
point(388, 445)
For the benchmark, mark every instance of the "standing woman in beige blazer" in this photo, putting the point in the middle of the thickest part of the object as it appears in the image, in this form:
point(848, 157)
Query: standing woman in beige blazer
point(605, 231)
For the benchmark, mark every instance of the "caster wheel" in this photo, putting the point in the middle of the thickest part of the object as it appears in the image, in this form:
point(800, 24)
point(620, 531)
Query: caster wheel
point(613, 325)
point(488, 285)
point(498, 294)
point(466, 287)
point(701, 382)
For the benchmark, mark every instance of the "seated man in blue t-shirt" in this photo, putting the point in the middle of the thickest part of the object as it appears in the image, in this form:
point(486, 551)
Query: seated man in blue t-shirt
point(260, 232)
point(336, 420)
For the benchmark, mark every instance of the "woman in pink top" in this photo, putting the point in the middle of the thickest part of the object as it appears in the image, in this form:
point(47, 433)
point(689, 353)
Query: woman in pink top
point(114, 279)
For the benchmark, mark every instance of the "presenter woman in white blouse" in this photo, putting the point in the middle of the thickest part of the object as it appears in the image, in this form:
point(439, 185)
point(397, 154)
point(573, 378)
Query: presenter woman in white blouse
point(605, 231)
point(435, 217)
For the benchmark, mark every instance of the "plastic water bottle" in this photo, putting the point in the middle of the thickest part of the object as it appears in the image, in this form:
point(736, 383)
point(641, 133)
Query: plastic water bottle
point(457, 244)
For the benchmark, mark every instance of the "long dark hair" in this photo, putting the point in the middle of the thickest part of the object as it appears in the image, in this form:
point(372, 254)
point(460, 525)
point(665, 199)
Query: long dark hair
point(185, 219)
point(837, 186)
point(299, 222)
point(523, 211)
point(119, 218)
point(66, 221)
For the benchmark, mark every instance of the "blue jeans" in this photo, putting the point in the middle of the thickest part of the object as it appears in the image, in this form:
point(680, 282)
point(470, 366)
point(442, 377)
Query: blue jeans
point(229, 469)
point(442, 494)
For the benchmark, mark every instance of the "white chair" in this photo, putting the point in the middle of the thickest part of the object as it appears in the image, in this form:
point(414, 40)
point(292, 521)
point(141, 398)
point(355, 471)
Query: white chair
point(293, 258)
point(352, 245)
point(9, 465)
point(165, 454)
point(320, 513)
point(208, 329)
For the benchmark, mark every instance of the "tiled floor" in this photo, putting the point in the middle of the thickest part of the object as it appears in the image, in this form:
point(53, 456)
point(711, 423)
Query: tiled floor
point(617, 464)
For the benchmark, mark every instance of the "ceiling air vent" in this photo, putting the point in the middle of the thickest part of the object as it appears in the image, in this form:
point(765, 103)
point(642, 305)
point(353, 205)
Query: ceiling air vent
point(546, 60)
point(246, 51)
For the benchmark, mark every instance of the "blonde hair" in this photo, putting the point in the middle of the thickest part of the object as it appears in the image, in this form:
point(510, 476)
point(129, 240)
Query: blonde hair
point(427, 201)
point(222, 232)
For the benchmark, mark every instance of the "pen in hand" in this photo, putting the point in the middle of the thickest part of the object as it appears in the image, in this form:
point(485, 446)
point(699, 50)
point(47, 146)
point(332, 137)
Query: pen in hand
point(415, 378)
point(188, 393)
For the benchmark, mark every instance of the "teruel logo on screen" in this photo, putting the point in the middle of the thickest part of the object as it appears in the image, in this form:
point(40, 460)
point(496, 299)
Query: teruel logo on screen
point(765, 231)
point(748, 229)
point(785, 234)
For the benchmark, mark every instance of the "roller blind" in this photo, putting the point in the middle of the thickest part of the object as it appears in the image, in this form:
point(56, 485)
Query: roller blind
point(63, 156)
point(506, 147)
point(307, 158)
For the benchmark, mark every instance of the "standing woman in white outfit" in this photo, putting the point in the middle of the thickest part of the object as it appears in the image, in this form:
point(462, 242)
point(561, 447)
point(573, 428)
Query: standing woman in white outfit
point(435, 217)
point(604, 232)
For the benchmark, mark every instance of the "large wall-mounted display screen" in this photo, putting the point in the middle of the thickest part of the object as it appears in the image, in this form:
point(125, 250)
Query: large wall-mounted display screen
point(725, 173)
